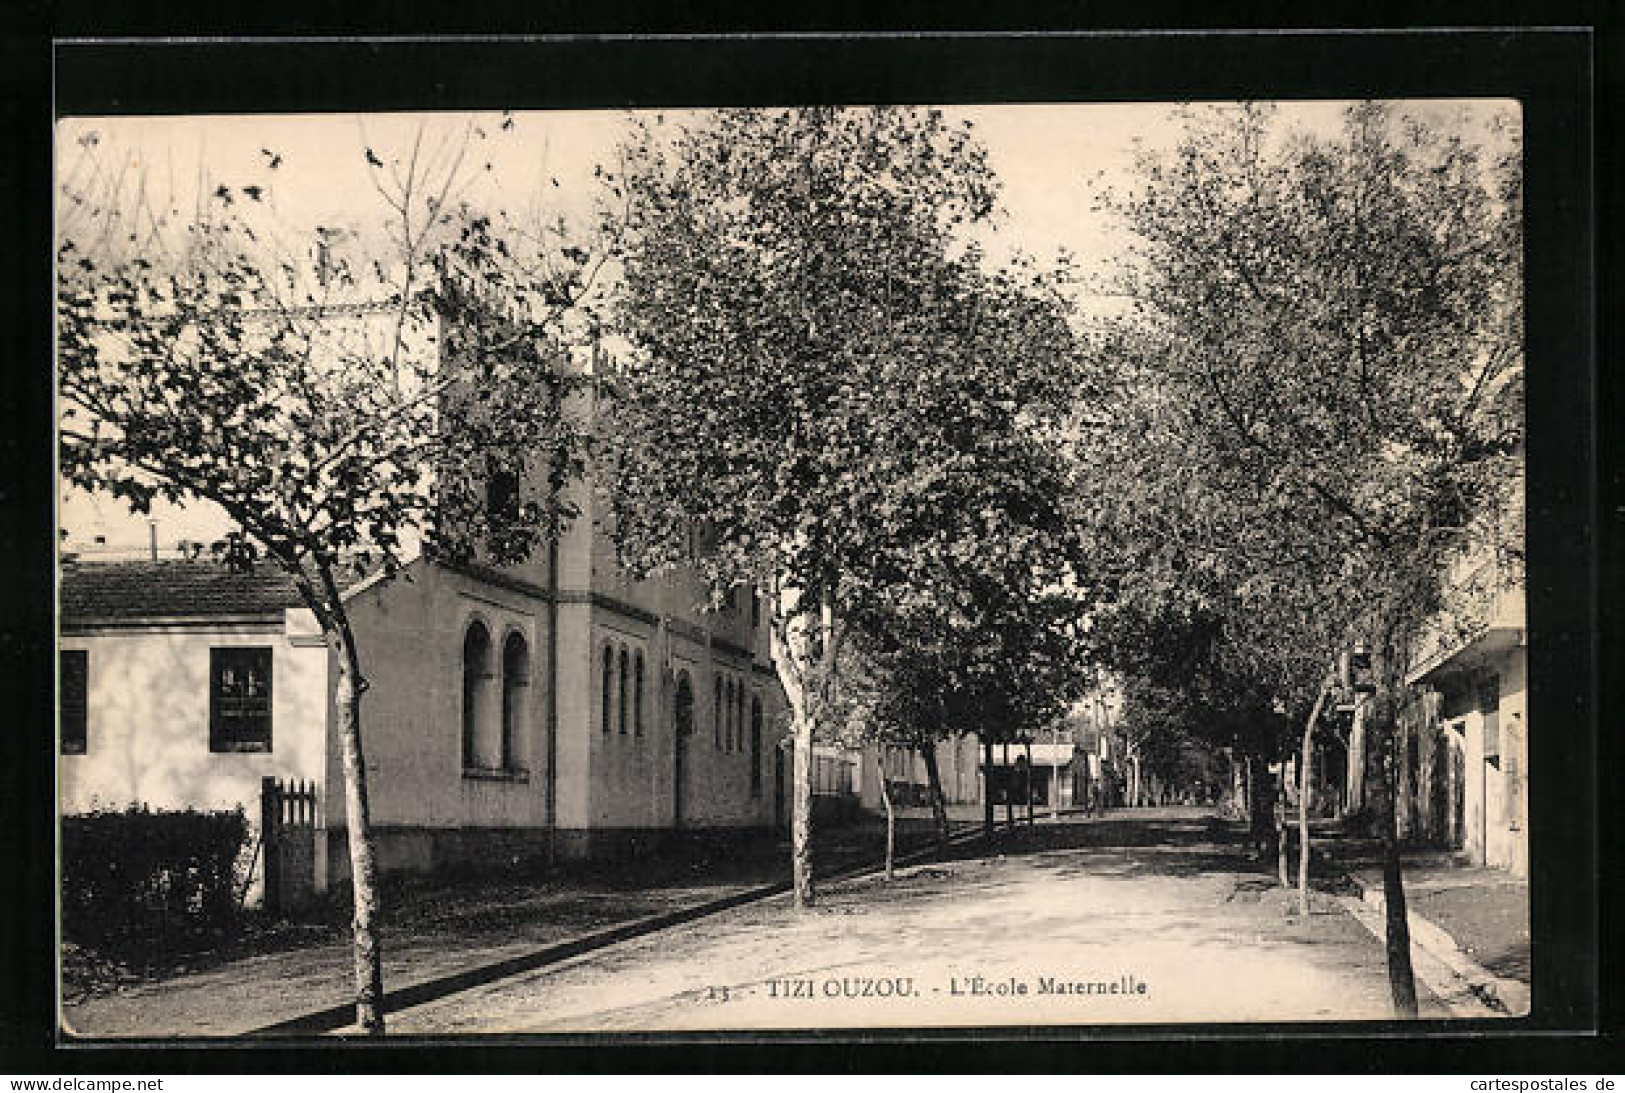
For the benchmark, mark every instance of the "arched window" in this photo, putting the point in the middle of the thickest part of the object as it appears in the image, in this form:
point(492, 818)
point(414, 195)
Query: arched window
point(476, 684)
point(739, 716)
point(623, 690)
point(609, 684)
point(637, 693)
point(755, 747)
point(682, 728)
point(683, 707)
point(515, 686)
point(728, 725)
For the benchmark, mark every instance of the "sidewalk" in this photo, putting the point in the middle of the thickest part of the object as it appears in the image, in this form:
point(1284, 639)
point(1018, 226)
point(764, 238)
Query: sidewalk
point(1472, 920)
point(431, 933)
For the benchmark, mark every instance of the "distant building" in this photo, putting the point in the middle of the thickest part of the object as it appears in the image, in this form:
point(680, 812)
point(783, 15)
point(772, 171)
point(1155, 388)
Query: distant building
point(908, 781)
point(1036, 773)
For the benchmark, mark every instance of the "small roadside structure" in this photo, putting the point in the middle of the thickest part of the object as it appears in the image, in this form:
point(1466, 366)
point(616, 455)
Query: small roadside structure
point(185, 684)
point(1026, 773)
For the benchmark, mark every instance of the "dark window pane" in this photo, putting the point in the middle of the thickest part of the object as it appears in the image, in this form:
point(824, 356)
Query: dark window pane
point(476, 653)
point(755, 748)
point(75, 672)
point(609, 673)
point(240, 699)
point(637, 695)
point(622, 692)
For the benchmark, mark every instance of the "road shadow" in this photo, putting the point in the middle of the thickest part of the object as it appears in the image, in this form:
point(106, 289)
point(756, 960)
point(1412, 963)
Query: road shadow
point(1182, 842)
point(1185, 842)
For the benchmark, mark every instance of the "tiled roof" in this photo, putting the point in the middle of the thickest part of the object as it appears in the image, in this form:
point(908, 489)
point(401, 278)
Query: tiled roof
point(106, 591)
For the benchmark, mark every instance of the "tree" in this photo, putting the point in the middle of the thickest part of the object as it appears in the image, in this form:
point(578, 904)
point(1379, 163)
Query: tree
point(872, 715)
point(1306, 761)
point(787, 278)
point(957, 655)
point(973, 610)
point(1220, 604)
point(345, 411)
point(1341, 315)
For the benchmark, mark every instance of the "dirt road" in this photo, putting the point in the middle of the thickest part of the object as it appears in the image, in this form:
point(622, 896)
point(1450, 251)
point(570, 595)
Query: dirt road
point(1143, 917)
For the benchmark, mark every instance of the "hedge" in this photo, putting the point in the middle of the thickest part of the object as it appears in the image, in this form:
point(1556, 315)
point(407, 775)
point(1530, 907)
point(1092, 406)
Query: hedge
point(144, 876)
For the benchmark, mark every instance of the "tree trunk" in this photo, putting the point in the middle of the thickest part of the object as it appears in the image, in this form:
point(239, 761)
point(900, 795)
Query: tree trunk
point(1305, 765)
point(1260, 803)
point(794, 662)
point(1354, 798)
point(987, 789)
point(1055, 775)
point(939, 803)
point(1028, 779)
point(369, 967)
point(891, 816)
point(1401, 978)
point(1280, 829)
point(801, 865)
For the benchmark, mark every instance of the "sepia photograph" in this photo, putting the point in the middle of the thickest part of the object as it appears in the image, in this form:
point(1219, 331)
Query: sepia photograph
point(827, 566)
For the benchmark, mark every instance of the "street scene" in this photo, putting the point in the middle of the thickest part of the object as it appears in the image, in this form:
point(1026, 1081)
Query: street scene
point(577, 572)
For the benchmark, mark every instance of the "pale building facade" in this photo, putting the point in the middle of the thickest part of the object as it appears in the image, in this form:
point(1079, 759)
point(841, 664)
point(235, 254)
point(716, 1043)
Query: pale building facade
point(1464, 754)
point(513, 716)
point(537, 713)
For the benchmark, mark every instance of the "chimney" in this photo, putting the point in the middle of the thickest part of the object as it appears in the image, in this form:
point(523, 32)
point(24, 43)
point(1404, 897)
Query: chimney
point(152, 538)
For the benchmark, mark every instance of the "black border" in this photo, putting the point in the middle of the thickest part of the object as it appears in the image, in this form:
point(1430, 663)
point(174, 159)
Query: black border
point(1548, 71)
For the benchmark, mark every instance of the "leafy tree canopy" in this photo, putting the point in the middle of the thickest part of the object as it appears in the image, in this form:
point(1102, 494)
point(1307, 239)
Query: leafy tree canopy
point(1316, 398)
point(343, 400)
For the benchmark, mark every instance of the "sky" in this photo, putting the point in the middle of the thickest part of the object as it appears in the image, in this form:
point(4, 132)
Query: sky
point(1047, 155)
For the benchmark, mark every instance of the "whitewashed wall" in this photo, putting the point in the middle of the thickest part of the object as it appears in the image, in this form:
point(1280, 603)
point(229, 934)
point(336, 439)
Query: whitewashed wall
point(148, 720)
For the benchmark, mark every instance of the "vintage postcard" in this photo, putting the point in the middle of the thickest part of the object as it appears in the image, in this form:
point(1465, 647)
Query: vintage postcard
point(559, 571)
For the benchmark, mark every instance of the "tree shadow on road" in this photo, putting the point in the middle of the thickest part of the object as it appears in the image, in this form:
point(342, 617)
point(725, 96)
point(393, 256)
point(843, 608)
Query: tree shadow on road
point(1180, 843)
point(1184, 842)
